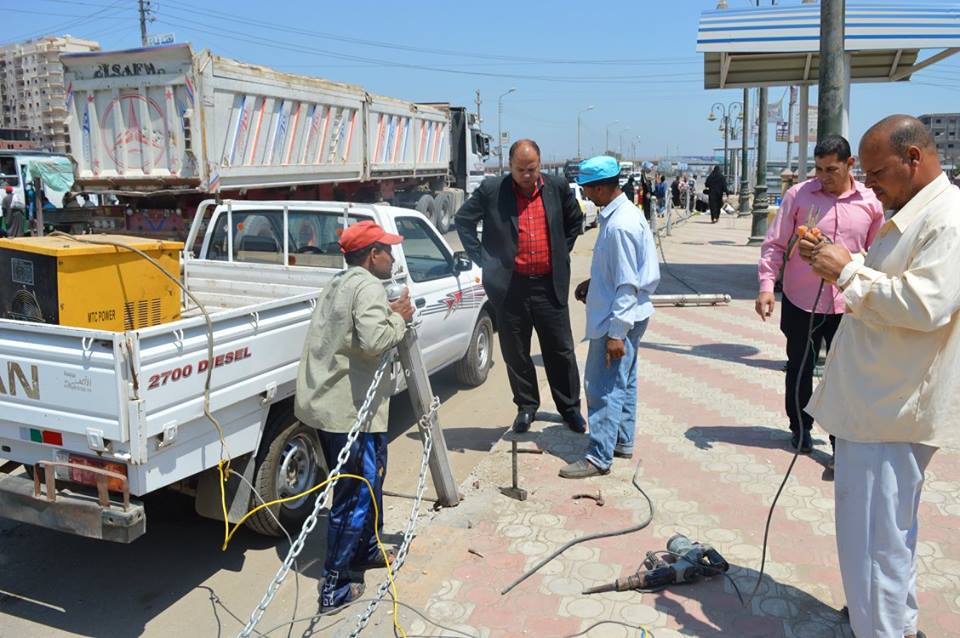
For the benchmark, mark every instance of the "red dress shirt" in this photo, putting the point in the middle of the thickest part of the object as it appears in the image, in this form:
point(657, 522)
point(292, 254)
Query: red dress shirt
point(533, 236)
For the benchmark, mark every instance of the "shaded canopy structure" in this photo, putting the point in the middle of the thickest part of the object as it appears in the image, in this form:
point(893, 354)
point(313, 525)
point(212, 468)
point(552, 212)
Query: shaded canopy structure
point(779, 46)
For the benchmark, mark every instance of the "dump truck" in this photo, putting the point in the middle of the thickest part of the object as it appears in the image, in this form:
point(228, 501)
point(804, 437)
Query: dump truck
point(164, 128)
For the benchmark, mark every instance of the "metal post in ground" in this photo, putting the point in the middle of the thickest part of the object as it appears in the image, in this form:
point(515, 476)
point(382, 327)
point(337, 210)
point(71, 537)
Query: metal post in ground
point(421, 396)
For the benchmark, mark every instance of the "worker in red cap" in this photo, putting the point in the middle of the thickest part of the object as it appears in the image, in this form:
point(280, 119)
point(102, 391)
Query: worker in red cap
point(352, 327)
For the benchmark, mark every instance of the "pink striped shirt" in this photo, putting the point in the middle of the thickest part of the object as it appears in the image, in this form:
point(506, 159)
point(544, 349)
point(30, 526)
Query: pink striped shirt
point(851, 220)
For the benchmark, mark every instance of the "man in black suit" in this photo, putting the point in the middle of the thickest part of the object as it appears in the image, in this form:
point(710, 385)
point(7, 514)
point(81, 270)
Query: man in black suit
point(530, 223)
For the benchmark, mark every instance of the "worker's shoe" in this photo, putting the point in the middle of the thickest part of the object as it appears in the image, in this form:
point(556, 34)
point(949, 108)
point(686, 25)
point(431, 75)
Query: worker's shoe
point(374, 562)
point(355, 592)
point(581, 469)
point(575, 422)
point(623, 454)
point(523, 421)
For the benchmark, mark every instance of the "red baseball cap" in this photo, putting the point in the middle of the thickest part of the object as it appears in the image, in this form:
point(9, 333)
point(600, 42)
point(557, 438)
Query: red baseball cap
point(362, 234)
point(8, 188)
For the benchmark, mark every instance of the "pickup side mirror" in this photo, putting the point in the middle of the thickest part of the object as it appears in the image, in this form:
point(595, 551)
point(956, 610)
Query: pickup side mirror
point(461, 263)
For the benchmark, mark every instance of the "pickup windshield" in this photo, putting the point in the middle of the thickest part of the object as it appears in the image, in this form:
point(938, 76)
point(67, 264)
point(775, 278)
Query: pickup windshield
point(258, 237)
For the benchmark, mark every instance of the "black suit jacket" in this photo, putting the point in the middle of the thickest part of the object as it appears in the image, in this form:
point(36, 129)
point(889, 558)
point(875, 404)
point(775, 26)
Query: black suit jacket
point(495, 204)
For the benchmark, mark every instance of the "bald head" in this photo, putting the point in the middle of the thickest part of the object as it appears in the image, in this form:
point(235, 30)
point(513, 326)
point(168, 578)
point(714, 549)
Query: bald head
point(900, 132)
point(525, 164)
point(899, 157)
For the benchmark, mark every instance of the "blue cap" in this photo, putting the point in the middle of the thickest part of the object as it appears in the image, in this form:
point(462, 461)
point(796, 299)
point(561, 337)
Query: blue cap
point(598, 168)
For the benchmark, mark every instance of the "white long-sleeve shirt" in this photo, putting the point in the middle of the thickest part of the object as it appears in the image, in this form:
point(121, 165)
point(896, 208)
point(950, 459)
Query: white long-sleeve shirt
point(893, 372)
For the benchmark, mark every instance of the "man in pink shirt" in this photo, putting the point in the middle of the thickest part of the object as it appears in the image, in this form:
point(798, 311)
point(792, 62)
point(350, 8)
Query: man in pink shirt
point(848, 214)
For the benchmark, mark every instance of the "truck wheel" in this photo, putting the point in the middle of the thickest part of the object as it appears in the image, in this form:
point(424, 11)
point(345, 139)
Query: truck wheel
point(472, 369)
point(289, 461)
point(447, 204)
point(427, 206)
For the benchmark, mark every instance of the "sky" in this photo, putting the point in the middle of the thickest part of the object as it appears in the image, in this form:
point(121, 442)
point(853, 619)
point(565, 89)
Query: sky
point(635, 63)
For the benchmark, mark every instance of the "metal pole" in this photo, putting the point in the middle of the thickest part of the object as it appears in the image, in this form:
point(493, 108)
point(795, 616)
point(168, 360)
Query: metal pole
point(744, 158)
point(500, 133)
point(421, 395)
point(38, 205)
point(726, 143)
point(579, 113)
point(758, 226)
point(832, 79)
point(479, 121)
point(143, 21)
point(578, 136)
point(793, 102)
point(499, 127)
point(804, 132)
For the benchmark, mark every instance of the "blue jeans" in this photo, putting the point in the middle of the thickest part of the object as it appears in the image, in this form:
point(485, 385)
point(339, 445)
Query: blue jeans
point(612, 398)
point(350, 534)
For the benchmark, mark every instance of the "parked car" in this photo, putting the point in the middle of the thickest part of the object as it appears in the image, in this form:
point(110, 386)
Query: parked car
point(589, 208)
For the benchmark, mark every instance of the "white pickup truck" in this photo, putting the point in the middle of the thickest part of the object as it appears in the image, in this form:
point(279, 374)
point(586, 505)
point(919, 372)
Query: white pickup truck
point(131, 402)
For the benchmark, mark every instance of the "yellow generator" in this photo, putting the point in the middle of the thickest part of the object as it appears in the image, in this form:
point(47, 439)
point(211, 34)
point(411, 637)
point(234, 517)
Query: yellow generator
point(61, 281)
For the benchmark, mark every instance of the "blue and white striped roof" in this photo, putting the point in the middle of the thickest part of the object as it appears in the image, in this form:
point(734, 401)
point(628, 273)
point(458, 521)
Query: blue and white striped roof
point(868, 27)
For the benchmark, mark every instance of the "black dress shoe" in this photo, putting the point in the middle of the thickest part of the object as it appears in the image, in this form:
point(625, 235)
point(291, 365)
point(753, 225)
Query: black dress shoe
point(575, 422)
point(522, 423)
point(804, 442)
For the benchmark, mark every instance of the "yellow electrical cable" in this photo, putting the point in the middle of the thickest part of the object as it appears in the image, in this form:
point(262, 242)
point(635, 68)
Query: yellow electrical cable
point(223, 466)
point(376, 519)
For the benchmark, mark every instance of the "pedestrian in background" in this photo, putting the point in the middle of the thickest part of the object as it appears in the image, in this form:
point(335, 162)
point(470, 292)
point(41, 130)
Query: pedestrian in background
point(647, 197)
point(352, 326)
point(623, 274)
point(891, 388)
point(717, 188)
point(629, 191)
point(530, 223)
point(675, 191)
point(850, 215)
point(660, 191)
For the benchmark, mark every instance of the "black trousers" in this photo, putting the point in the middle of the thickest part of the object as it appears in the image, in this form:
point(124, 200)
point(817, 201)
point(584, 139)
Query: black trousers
point(794, 323)
point(716, 203)
point(531, 304)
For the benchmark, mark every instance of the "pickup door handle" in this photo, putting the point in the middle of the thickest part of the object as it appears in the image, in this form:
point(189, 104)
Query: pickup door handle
point(420, 303)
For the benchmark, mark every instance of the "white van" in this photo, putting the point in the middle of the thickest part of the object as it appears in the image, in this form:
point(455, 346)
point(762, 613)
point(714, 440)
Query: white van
point(15, 172)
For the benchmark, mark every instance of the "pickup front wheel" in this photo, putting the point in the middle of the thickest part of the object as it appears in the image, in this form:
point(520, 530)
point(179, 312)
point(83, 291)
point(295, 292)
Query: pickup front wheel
point(290, 461)
point(472, 369)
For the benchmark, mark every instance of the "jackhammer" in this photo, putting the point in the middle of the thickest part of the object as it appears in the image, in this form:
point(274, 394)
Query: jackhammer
point(685, 561)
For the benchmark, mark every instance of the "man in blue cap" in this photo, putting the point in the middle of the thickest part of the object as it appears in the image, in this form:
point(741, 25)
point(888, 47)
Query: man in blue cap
point(623, 275)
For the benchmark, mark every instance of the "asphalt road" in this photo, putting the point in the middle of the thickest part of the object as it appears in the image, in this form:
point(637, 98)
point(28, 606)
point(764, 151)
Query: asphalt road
point(176, 581)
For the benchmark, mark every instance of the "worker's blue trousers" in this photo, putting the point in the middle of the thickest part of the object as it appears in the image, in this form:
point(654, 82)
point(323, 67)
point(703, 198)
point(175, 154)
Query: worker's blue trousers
point(350, 537)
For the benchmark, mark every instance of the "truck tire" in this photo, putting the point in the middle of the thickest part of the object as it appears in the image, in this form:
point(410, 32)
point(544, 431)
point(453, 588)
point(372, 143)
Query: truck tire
point(473, 368)
point(427, 206)
point(444, 202)
point(289, 461)
point(448, 202)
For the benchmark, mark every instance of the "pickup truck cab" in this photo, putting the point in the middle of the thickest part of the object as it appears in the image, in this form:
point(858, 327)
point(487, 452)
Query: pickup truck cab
point(444, 285)
point(89, 401)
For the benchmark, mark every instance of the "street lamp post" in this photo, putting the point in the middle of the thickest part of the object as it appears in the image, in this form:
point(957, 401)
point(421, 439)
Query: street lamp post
point(499, 127)
point(613, 123)
point(726, 111)
point(621, 140)
point(758, 225)
point(744, 155)
point(579, 113)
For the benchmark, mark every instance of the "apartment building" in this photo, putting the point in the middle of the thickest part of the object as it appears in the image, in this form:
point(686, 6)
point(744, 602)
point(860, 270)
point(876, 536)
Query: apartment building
point(32, 89)
point(946, 132)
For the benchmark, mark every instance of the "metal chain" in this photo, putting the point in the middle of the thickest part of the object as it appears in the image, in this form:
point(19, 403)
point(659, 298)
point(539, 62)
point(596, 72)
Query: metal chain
point(363, 415)
point(425, 423)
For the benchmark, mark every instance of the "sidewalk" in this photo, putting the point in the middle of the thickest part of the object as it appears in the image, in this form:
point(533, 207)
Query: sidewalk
point(712, 443)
